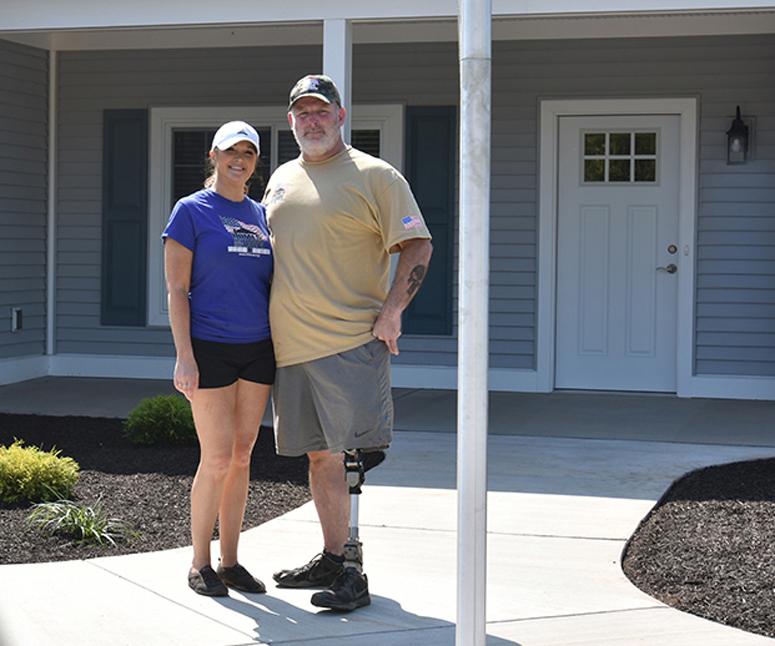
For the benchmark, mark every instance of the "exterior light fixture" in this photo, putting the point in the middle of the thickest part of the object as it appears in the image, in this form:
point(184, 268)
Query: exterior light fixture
point(737, 141)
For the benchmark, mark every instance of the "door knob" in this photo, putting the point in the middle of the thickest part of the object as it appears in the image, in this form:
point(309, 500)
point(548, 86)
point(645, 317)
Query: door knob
point(670, 269)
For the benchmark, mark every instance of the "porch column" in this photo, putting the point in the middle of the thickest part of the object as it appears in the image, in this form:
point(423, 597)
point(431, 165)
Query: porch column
point(473, 320)
point(51, 225)
point(337, 61)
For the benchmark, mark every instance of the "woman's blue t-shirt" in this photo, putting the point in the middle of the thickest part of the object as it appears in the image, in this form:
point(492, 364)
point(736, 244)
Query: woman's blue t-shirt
point(232, 265)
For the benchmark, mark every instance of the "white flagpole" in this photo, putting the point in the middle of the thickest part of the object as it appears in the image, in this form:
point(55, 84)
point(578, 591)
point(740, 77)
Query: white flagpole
point(475, 65)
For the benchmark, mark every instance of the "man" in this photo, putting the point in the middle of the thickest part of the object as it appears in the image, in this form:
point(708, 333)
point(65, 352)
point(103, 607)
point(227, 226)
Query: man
point(335, 215)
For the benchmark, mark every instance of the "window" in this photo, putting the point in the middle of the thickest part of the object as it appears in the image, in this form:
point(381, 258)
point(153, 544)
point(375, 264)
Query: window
point(190, 148)
point(619, 157)
point(180, 140)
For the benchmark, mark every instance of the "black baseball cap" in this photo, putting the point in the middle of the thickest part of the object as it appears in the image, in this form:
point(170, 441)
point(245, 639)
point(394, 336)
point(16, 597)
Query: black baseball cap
point(318, 85)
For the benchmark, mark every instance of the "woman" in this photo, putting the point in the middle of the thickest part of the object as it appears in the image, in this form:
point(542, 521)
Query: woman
point(218, 265)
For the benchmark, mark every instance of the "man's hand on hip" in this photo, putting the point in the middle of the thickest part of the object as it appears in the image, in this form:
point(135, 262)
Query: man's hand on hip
point(387, 328)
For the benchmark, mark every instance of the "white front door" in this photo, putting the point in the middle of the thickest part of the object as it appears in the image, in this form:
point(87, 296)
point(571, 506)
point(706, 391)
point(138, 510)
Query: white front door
point(617, 252)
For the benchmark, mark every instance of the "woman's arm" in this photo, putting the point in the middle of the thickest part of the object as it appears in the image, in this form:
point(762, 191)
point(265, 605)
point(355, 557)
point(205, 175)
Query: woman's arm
point(177, 268)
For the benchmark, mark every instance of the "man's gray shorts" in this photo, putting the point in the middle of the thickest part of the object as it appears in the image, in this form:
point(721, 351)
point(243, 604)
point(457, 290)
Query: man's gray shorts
point(337, 403)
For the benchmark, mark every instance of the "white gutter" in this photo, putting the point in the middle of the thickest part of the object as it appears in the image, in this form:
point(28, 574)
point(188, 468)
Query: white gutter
point(35, 15)
point(475, 99)
point(443, 28)
point(52, 192)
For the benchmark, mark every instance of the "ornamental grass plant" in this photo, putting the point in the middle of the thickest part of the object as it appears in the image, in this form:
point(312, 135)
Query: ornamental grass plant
point(79, 522)
point(164, 419)
point(29, 474)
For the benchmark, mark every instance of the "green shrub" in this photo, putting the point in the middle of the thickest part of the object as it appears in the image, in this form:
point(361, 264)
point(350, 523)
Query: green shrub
point(164, 419)
point(79, 522)
point(28, 473)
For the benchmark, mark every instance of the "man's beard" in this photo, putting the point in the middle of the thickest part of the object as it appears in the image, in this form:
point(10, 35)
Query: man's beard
point(317, 147)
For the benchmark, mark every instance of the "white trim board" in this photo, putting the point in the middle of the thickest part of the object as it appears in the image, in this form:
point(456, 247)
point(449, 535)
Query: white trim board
point(445, 378)
point(403, 376)
point(36, 15)
point(551, 111)
point(112, 366)
point(406, 31)
point(18, 369)
point(51, 208)
point(730, 387)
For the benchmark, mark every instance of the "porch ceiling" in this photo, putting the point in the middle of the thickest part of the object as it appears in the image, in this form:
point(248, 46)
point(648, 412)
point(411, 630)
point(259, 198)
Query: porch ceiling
point(527, 26)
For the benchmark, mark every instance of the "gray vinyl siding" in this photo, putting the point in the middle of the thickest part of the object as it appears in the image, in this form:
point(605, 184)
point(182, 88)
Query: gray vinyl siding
point(427, 74)
point(420, 75)
point(23, 192)
point(735, 308)
point(735, 322)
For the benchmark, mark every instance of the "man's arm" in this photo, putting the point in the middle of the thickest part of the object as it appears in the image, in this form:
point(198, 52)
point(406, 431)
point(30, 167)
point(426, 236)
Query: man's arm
point(413, 262)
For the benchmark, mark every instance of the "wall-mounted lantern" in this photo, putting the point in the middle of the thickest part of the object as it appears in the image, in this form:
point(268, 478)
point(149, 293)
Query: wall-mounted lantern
point(737, 141)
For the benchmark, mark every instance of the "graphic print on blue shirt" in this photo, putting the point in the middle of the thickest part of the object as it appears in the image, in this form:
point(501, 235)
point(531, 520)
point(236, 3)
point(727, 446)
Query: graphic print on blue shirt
point(231, 267)
point(248, 238)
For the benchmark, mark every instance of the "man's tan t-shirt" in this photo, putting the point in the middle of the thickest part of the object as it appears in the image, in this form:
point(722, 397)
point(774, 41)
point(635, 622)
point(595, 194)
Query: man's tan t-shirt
point(333, 224)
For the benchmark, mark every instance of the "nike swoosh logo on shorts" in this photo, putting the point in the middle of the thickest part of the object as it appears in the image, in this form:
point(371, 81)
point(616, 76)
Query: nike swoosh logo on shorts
point(362, 433)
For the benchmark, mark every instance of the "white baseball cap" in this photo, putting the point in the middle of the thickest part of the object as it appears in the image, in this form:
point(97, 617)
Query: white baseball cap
point(232, 132)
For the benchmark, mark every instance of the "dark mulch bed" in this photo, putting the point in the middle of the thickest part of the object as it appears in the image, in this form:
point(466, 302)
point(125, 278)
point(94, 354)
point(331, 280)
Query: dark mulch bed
point(148, 487)
point(708, 547)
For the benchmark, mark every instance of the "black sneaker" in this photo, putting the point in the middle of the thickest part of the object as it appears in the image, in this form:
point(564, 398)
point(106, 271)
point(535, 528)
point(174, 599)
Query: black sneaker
point(320, 572)
point(348, 592)
point(206, 582)
point(239, 578)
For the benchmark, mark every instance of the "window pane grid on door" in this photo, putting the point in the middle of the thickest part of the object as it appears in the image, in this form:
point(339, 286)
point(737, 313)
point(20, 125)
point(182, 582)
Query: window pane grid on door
point(617, 157)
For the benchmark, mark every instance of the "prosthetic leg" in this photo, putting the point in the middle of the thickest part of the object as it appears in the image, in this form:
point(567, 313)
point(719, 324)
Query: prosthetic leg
point(356, 463)
point(350, 589)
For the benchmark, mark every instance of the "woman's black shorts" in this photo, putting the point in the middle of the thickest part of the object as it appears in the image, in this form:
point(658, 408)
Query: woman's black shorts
point(221, 364)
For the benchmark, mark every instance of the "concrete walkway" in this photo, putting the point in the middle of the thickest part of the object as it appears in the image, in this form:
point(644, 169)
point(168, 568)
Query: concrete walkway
point(559, 508)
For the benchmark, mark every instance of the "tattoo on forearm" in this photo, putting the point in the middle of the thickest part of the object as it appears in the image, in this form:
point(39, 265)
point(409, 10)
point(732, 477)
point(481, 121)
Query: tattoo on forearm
point(415, 279)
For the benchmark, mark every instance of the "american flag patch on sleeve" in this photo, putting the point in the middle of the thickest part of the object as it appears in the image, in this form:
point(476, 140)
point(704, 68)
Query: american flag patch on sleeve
point(411, 222)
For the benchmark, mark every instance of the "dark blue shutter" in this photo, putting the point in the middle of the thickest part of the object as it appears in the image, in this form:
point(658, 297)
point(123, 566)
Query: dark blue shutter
point(124, 217)
point(430, 169)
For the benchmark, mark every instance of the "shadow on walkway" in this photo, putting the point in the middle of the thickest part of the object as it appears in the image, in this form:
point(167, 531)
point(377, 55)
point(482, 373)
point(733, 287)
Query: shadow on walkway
point(280, 622)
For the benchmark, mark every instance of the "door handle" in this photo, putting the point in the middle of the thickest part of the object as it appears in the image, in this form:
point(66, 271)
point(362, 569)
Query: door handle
point(670, 269)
